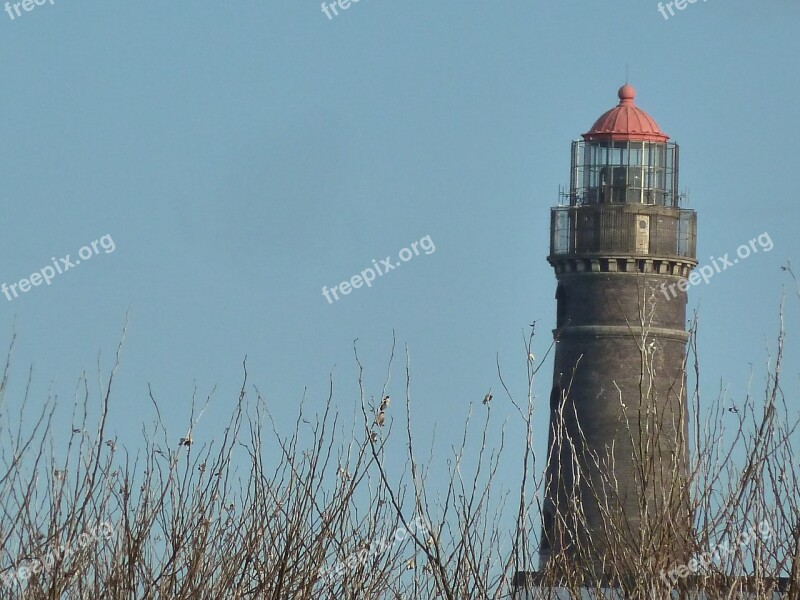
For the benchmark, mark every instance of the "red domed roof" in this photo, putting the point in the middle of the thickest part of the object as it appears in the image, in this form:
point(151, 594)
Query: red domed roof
point(626, 122)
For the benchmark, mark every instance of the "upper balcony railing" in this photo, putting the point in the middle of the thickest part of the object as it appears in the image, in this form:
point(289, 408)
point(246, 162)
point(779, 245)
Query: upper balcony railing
point(622, 230)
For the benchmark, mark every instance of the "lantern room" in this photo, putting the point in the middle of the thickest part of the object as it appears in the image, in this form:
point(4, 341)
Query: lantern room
point(623, 196)
point(624, 158)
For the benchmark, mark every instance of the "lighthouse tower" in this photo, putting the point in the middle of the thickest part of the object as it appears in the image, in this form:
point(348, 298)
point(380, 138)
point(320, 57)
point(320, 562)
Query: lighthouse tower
point(621, 246)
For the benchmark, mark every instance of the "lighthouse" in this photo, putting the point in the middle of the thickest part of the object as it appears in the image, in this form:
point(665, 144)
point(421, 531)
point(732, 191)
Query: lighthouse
point(617, 458)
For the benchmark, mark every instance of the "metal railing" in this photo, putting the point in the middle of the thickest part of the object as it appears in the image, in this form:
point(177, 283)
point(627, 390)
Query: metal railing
point(612, 229)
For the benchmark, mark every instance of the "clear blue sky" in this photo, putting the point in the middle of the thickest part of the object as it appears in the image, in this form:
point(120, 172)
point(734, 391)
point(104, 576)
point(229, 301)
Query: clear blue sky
point(242, 155)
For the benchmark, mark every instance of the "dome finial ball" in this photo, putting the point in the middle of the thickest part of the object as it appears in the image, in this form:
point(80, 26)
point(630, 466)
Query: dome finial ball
point(626, 94)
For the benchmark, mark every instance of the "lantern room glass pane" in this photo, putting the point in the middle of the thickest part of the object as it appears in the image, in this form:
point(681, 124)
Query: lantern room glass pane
point(635, 154)
point(620, 153)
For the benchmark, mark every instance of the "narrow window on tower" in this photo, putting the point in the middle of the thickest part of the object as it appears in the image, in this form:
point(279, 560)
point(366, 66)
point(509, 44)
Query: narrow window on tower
point(548, 530)
point(561, 306)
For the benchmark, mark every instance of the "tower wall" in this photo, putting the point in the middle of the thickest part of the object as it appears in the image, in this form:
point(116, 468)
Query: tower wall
point(618, 411)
